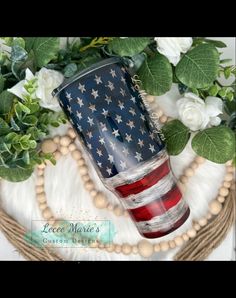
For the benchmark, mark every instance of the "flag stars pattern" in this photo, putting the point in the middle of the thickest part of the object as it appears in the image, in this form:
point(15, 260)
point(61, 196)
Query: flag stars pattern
point(80, 102)
point(90, 121)
point(130, 124)
point(113, 73)
point(94, 93)
point(79, 115)
point(92, 107)
point(108, 99)
point(98, 80)
point(82, 88)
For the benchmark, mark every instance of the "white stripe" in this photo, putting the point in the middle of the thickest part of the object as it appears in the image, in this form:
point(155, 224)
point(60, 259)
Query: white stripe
point(150, 194)
point(165, 221)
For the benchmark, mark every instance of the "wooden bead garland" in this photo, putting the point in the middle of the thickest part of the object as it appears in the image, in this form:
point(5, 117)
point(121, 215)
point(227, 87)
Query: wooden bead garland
point(64, 145)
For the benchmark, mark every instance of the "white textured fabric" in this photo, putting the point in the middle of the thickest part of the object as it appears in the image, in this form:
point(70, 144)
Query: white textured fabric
point(68, 199)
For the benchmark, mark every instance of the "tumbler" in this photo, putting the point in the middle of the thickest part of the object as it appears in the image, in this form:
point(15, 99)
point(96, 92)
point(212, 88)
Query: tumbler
point(112, 122)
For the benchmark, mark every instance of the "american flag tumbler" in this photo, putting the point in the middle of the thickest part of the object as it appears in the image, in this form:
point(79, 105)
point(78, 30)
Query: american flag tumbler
point(127, 151)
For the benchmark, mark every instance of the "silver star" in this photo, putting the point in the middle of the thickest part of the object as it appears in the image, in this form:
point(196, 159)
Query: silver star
point(142, 117)
point(118, 118)
point(80, 101)
point(133, 99)
point(111, 158)
point(120, 104)
point(128, 138)
point(130, 124)
point(101, 140)
point(103, 126)
point(138, 156)
point(142, 130)
point(151, 134)
point(116, 132)
point(133, 88)
point(69, 109)
point(123, 165)
point(68, 96)
point(105, 113)
point(99, 152)
point(98, 80)
point(81, 88)
point(109, 171)
point(92, 107)
point(99, 164)
point(122, 91)
point(90, 121)
point(90, 146)
point(79, 127)
point(110, 86)
point(79, 115)
point(151, 148)
point(113, 146)
point(123, 80)
point(125, 151)
point(132, 111)
point(89, 134)
point(113, 73)
point(108, 99)
point(140, 143)
point(94, 93)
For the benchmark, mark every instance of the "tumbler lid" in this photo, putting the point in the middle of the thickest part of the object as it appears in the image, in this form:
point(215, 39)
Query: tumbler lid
point(84, 72)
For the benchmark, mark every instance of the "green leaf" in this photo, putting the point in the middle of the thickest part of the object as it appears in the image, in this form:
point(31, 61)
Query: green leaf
point(2, 81)
point(29, 42)
point(4, 127)
point(15, 174)
point(128, 46)
point(198, 67)
point(216, 43)
point(45, 49)
point(23, 108)
point(6, 101)
point(19, 41)
point(156, 75)
point(216, 144)
point(30, 120)
point(227, 72)
point(70, 70)
point(176, 135)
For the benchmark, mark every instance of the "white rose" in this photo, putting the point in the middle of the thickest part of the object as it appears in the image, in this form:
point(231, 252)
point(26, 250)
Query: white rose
point(197, 114)
point(48, 80)
point(172, 47)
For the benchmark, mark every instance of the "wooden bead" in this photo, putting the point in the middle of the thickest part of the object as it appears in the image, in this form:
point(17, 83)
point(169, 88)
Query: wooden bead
point(39, 189)
point(101, 245)
point(64, 150)
point(209, 216)
point(76, 154)
point(71, 133)
point(191, 233)
point(172, 244)
point(100, 200)
point(183, 179)
point(110, 247)
point(164, 246)
point(226, 184)
point(194, 165)
point(40, 181)
point(163, 119)
point(185, 237)
point(81, 162)
point(230, 169)
point(145, 248)
point(150, 98)
point(200, 159)
point(118, 211)
point(65, 141)
point(41, 166)
point(52, 221)
point(47, 213)
point(135, 249)
point(215, 207)
point(83, 170)
point(93, 193)
point(48, 146)
point(56, 139)
point(159, 113)
point(228, 163)
point(93, 244)
point(232, 187)
point(223, 192)
point(43, 206)
point(229, 177)
point(178, 241)
point(117, 248)
point(85, 177)
point(89, 185)
point(189, 172)
point(40, 172)
point(126, 248)
point(157, 247)
point(48, 162)
point(57, 155)
point(110, 207)
point(126, 213)
point(220, 199)
point(202, 221)
point(181, 186)
point(72, 147)
point(196, 227)
point(41, 197)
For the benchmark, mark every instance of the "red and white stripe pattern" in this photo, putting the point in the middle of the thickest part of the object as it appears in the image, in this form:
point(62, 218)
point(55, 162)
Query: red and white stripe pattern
point(151, 196)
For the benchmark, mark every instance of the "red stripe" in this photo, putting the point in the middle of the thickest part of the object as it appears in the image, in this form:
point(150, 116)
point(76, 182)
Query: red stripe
point(157, 207)
point(146, 182)
point(163, 233)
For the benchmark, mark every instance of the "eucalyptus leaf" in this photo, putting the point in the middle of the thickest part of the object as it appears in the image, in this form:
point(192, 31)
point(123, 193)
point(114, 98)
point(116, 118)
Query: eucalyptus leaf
point(15, 174)
point(45, 49)
point(156, 75)
point(128, 46)
point(70, 70)
point(216, 144)
point(198, 68)
point(18, 53)
point(176, 136)
point(6, 102)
